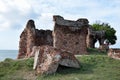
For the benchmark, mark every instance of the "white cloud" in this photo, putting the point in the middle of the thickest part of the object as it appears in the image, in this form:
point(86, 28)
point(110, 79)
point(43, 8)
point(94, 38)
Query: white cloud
point(15, 13)
point(3, 7)
point(4, 26)
point(22, 5)
point(44, 21)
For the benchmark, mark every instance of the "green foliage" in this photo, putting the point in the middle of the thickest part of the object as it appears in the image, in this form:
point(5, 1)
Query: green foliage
point(109, 31)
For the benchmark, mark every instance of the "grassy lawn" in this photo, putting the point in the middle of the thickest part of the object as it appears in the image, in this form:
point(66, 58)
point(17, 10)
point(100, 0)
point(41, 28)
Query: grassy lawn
point(96, 66)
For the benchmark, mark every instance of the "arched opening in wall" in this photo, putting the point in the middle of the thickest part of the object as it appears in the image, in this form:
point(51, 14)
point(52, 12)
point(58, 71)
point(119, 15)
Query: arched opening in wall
point(97, 44)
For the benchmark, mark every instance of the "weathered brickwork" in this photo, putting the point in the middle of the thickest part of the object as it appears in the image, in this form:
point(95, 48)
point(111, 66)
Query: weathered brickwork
point(70, 35)
point(31, 37)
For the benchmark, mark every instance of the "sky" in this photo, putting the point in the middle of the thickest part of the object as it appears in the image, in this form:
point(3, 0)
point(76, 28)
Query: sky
point(14, 15)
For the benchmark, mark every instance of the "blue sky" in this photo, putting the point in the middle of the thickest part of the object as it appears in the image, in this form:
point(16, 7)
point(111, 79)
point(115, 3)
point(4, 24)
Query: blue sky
point(14, 15)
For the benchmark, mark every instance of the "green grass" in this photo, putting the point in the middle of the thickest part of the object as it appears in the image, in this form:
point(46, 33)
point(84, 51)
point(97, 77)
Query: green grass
point(94, 51)
point(96, 66)
point(16, 69)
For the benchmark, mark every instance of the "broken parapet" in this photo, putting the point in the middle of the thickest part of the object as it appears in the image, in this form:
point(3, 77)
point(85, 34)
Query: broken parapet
point(47, 59)
point(27, 39)
point(33, 37)
point(70, 35)
point(114, 53)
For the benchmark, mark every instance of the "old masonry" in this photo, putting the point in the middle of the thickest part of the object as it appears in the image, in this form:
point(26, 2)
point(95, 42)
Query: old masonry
point(67, 35)
point(51, 49)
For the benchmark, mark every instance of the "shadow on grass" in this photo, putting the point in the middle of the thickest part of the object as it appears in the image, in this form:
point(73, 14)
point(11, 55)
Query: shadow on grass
point(95, 51)
point(62, 70)
point(84, 69)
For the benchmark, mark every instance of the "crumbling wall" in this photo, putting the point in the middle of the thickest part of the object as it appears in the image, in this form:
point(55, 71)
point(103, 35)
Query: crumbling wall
point(70, 35)
point(47, 59)
point(31, 37)
point(91, 40)
point(30, 30)
point(67, 35)
point(94, 36)
point(43, 37)
point(114, 53)
point(104, 47)
point(27, 39)
point(22, 45)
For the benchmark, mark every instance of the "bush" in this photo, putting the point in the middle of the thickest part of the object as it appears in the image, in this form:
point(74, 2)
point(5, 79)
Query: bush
point(8, 60)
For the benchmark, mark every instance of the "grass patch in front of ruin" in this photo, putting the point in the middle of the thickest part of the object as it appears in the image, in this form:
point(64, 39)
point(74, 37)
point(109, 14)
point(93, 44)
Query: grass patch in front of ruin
point(96, 51)
point(15, 69)
point(93, 67)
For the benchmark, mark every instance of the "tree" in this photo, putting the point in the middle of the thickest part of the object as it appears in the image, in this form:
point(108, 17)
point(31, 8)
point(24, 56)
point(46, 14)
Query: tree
point(110, 36)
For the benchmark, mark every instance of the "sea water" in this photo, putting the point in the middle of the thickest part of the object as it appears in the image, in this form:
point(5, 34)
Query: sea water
point(8, 54)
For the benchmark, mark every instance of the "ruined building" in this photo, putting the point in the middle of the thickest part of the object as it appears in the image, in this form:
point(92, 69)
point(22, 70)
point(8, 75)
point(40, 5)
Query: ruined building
point(70, 35)
point(48, 60)
point(67, 35)
point(33, 37)
point(94, 36)
point(114, 53)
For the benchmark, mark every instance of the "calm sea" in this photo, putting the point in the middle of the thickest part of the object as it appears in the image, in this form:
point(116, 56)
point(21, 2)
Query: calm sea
point(8, 54)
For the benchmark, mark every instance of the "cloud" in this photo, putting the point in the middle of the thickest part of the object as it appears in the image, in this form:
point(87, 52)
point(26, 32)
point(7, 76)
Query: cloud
point(15, 13)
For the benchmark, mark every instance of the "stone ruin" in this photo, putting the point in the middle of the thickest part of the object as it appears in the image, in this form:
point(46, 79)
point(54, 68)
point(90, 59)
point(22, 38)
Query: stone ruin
point(114, 53)
point(67, 35)
point(70, 35)
point(53, 48)
point(31, 37)
point(47, 59)
point(94, 36)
